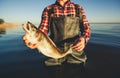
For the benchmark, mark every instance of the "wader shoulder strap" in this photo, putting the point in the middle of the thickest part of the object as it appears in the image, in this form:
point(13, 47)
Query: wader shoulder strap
point(51, 11)
point(78, 12)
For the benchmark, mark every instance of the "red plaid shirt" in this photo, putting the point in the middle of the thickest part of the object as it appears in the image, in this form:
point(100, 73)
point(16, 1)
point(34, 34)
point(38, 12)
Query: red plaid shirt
point(67, 10)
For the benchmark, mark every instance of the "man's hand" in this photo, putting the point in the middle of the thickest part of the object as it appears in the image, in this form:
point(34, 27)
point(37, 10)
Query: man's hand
point(79, 44)
point(28, 44)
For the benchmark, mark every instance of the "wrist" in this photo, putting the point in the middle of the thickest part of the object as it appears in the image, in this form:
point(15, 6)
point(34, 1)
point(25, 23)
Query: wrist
point(82, 39)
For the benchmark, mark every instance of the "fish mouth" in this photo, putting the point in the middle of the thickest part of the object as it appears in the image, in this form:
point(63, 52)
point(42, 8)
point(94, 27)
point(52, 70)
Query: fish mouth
point(29, 27)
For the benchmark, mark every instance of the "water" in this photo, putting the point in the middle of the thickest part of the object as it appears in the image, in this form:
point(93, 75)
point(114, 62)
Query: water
point(107, 34)
point(11, 40)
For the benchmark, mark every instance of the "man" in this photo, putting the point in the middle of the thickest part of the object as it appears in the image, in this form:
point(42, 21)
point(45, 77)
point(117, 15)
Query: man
point(67, 25)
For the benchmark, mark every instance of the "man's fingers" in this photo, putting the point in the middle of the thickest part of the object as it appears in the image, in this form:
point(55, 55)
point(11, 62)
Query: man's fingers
point(77, 45)
point(29, 44)
point(24, 37)
point(79, 48)
point(33, 46)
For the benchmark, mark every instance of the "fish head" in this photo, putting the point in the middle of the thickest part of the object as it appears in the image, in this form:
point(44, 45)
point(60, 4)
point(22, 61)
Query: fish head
point(31, 31)
point(30, 28)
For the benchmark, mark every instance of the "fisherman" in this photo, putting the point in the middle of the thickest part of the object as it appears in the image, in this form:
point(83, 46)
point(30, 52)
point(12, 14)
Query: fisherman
point(67, 24)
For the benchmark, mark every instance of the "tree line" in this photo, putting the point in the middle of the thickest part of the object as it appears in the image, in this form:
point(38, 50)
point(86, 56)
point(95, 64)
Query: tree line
point(1, 21)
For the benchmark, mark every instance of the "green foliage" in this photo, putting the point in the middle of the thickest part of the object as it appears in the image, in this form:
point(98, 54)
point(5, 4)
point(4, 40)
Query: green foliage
point(1, 21)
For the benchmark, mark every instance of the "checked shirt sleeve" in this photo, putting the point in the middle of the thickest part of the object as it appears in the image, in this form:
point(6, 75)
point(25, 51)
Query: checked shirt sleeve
point(45, 21)
point(85, 26)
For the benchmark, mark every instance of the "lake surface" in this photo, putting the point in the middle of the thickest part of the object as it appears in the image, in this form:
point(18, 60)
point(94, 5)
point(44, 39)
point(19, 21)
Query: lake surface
point(107, 34)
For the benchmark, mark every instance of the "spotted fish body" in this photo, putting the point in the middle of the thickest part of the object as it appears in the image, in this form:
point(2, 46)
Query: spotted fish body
point(46, 45)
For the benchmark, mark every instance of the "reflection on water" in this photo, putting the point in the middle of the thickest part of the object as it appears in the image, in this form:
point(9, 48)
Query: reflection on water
point(66, 71)
point(2, 32)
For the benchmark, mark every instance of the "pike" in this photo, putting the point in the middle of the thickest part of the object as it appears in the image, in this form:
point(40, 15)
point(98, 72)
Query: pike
point(46, 45)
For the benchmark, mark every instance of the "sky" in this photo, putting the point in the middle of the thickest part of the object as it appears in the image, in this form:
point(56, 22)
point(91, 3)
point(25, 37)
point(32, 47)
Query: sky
point(21, 11)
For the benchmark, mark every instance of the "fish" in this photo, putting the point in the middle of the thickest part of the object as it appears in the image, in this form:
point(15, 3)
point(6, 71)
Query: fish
point(46, 46)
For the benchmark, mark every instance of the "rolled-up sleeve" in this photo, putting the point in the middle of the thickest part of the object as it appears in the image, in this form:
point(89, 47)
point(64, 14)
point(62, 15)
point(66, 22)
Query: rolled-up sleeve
point(84, 26)
point(44, 21)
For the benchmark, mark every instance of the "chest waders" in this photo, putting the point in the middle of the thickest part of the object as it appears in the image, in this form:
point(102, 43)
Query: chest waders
point(65, 30)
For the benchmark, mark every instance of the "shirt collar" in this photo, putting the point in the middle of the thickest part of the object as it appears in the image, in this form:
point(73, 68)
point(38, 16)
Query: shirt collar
point(67, 2)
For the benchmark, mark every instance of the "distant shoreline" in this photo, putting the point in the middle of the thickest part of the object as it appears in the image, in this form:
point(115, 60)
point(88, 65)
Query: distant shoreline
point(9, 25)
point(104, 23)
